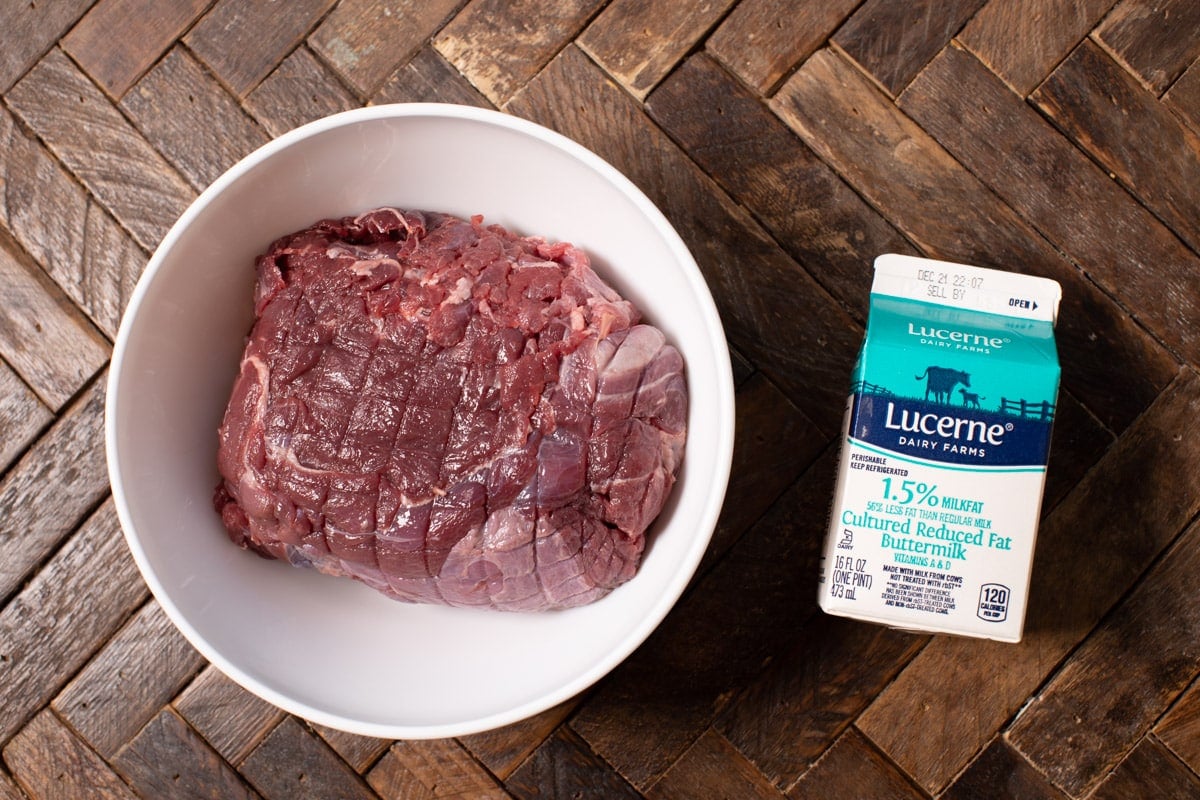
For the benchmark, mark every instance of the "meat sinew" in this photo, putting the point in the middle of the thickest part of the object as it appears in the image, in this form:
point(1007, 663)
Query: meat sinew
point(449, 413)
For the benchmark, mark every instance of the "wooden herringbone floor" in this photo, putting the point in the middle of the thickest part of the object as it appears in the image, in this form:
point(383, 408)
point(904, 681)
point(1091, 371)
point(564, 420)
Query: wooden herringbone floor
point(789, 143)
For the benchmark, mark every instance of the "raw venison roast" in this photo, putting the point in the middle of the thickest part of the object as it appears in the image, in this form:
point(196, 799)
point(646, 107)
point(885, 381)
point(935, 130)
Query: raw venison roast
point(449, 413)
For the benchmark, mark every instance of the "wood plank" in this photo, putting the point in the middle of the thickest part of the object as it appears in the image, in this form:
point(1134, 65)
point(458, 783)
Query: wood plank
point(1078, 440)
point(893, 41)
point(242, 41)
point(43, 336)
point(42, 205)
point(999, 766)
point(1179, 728)
point(1184, 96)
point(49, 761)
point(503, 749)
point(1023, 40)
point(300, 90)
point(147, 29)
point(22, 416)
point(1149, 771)
point(9, 789)
point(170, 761)
point(440, 766)
point(230, 718)
point(391, 780)
point(72, 238)
point(1155, 39)
point(112, 263)
point(712, 767)
point(1089, 715)
point(852, 768)
point(63, 615)
point(970, 698)
point(365, 43)
point(428, 78)
point(293, 762)
point(650, 709)
point(773, 445)
point(813, 692)
point(564, 766)
point(492, 43)
point(30, 30)
point(123, 687)
point(950, 214)
point(39, 513)
point(101, 148)
point(771, 309)
point(360, 752)
point(638, 43)
point(1108, 114)
point(820, 221)
point(762, 40)
point(191, 119)
point(1037, 172)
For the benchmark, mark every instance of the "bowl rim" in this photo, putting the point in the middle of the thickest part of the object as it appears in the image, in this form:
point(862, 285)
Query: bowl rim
point(722, 456)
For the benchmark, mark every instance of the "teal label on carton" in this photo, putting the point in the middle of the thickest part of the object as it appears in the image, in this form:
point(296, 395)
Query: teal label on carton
point(947, 435)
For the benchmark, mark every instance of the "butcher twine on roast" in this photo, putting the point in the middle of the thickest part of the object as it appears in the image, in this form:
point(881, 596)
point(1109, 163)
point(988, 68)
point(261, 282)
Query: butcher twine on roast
point(449, 413)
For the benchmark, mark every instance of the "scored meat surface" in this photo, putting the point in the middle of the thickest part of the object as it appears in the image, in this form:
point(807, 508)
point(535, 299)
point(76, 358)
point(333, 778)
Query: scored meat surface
point(449, 413)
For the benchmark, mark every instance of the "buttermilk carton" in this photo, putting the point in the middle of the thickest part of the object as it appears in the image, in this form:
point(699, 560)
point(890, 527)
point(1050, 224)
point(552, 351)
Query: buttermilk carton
point(943, 460)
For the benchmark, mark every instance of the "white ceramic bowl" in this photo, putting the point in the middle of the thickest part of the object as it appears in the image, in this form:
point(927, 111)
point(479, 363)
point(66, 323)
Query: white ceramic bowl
point(330, 649)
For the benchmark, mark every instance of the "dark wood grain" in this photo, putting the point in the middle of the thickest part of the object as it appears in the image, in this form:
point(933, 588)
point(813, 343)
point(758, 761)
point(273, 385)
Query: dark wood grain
point(971, 696)
point(428, 78)
point(364, 46)
point(300, 90)
point(1149, 771)
point(712, 767)
point(1179, 728)
point(1023, 40)
point(892, 41)
point(151, 662)
point(950, 214)
point(762, 40)
point(1112, 117)
point(191, 119)
point(765, 583)
point(1090, 715)
point(958, 101)
point(638, 42)
point(564, 766)
point(1184, 97)
point(810, 210)
point(789, 144)
point(492, 43)
point(230, 719)
point(48, 342)
point(242, 41)
point(148, 29)
point(39, 514)
point(852, 768)
point(814, 692)
point(169, 760)
point(1001, 772)
point(441, 766)
point(77, 122)
point(1155, 39)
point(292, 761)
point(30, 29)
point(48, 760)
point(62, 616)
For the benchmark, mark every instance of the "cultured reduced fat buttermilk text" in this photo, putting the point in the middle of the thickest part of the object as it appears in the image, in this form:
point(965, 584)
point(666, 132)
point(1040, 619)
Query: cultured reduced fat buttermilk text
point(946, 437)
